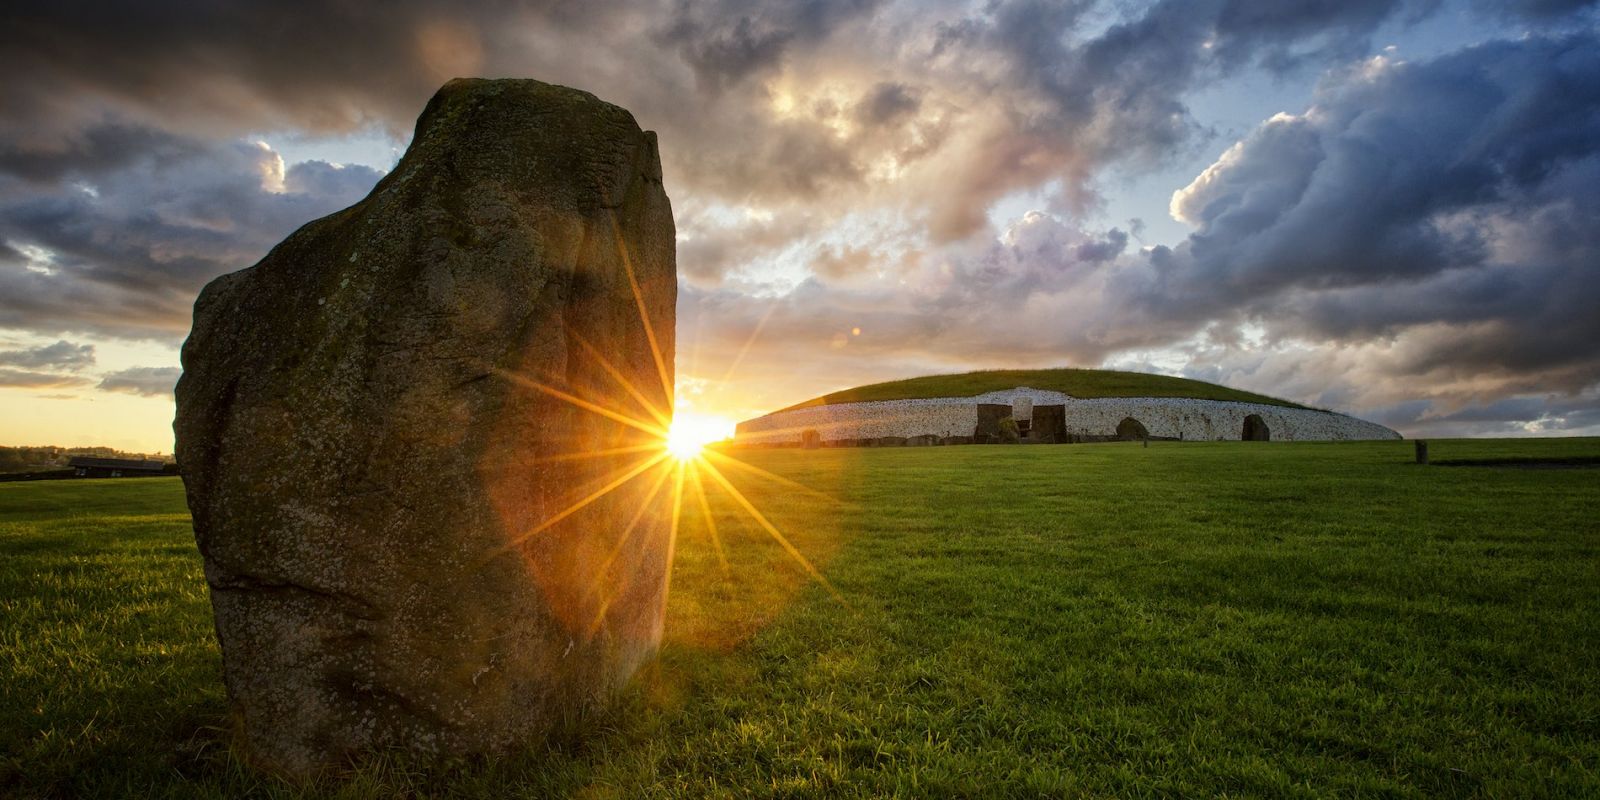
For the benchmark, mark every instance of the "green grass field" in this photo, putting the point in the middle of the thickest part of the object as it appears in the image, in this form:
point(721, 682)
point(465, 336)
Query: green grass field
point(1076, 382)
point(1183, 620)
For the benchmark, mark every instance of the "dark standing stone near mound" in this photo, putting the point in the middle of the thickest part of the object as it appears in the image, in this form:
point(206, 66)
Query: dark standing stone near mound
point(1049, 423)
point(367, 461)
point(988, 424)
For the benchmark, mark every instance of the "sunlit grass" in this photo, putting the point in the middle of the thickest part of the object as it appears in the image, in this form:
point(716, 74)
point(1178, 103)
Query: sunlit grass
point(1198, 619)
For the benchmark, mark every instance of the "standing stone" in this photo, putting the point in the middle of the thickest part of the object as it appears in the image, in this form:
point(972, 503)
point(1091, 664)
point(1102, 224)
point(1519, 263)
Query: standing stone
point(372, 466)
point(989, 416)
point(1049, 423)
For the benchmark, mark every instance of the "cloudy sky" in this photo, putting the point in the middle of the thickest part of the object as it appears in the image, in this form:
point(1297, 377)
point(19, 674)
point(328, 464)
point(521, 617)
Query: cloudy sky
point(1386, 207)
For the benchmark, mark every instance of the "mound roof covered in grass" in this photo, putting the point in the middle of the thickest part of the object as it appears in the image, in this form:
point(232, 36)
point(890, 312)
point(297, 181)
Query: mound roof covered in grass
point(1086, 383)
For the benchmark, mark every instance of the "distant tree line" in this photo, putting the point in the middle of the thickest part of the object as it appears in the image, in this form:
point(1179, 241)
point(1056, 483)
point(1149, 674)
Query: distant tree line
point(47, 457)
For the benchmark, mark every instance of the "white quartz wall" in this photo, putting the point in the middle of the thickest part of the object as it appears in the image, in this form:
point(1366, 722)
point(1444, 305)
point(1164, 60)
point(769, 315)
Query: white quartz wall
point(1185, 418)
point(940, 416)
point(1038, 397)
point(1171, 417)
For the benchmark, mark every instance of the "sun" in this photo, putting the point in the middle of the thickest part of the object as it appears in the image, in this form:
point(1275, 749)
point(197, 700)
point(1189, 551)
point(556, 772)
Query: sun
point(690, 433)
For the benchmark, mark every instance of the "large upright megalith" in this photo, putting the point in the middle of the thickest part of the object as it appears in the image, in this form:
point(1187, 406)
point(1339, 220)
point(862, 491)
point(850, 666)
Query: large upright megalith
point(419, 533)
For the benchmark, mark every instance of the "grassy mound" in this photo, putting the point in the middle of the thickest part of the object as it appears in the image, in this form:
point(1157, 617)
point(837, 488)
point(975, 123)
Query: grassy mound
point(1076, 382)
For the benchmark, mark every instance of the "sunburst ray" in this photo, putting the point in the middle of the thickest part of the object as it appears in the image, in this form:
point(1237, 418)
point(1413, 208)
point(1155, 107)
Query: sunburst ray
point(672, 530)
point(711, 520)
point(772, 530)
point(690, 467)
point(623, 539)
point(728, 460)
point(638, 300)
point(749, 340)
point(585, 404)
point(579, 505)
point(604, 453)
point(663, 418)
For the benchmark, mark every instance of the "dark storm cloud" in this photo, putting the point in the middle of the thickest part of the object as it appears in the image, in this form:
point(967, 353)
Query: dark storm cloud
point(887, 103)
point(1076, 106)
point(1416, 144)
point(123, 251)
point(46, 366)
point(142, 381)
point(1462, 192)
point(61, 355)
point(96, 148)
point(1536, 9)
point(329, 182)
point(325, 65)
point(692, 70)
point(1285, 36)
point(710, 246)
point(728, 41)
point(1525, 414)
point(1044, 99)
point(1044, 102)
point(1106, 249)
point(1036, 98)
point(101, 78)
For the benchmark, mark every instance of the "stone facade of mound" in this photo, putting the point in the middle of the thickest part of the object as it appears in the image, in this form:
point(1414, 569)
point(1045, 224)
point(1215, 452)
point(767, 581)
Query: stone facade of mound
point(1163, 417)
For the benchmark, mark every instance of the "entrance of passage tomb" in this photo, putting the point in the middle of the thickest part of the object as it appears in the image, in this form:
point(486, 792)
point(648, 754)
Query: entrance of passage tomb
point(1022, 414)
point(1130, 429)
point(1255, 429)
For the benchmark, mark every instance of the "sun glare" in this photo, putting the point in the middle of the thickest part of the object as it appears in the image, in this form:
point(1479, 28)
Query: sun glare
point(689, 434)
point(678, 450)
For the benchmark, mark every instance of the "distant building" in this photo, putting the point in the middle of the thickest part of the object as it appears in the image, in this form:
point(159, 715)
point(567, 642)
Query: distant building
point(89, 467)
